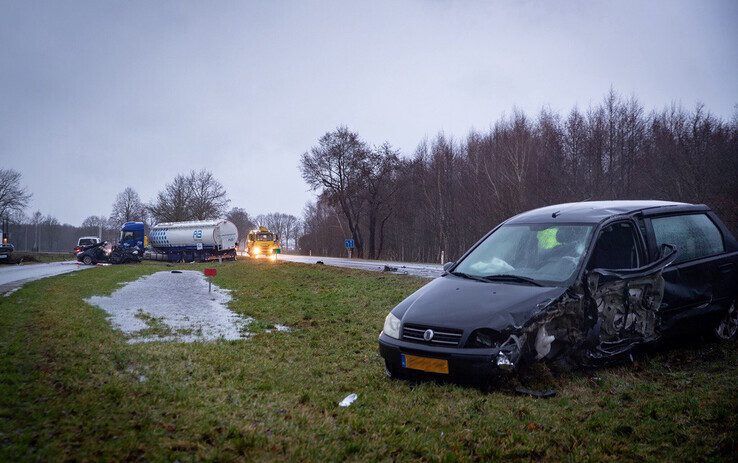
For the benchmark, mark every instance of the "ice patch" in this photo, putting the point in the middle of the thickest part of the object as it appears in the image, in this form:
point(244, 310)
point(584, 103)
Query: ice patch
point(168, 306)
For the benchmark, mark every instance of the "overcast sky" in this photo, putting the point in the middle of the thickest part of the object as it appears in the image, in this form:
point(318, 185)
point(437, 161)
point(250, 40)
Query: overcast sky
point(98, 96)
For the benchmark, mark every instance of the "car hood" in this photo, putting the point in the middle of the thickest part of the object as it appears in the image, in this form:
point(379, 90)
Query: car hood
point(455, 302)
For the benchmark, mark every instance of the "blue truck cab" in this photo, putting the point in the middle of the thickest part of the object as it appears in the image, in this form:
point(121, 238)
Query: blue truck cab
point(132, 235)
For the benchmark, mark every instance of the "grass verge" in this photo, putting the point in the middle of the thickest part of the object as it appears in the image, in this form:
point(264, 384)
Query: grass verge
point(72, 388)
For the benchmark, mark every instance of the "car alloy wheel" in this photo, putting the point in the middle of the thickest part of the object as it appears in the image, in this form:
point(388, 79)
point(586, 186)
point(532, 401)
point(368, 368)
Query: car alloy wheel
point(87, 260)
point(728, 326)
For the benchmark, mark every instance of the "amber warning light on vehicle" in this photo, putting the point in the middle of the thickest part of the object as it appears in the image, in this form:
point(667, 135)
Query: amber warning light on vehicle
point(210, 273)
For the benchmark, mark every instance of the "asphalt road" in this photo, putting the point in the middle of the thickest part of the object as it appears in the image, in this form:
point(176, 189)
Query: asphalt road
point(13, 277)
point(403, 268)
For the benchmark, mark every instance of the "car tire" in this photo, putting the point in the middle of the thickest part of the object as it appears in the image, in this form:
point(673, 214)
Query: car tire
point(727, 327)
point(87, 260)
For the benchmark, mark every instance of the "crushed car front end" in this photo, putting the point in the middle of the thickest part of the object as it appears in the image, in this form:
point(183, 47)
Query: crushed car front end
point(463, 328)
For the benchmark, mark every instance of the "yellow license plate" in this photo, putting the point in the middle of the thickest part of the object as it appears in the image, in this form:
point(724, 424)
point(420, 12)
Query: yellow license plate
point(425, 364)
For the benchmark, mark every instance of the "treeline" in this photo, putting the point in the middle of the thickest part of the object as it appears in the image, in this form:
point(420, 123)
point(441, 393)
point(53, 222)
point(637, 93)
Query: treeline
point(450, 192)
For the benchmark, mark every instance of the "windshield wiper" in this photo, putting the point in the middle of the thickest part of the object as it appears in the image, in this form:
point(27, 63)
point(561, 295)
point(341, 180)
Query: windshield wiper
point(517, 278)
point(470, 277)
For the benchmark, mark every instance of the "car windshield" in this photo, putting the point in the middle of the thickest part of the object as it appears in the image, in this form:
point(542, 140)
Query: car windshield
point(545, 253)
point(264, 237)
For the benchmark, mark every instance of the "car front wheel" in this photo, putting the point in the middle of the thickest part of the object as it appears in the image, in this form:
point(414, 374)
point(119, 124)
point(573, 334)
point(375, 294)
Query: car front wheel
point(727, 328)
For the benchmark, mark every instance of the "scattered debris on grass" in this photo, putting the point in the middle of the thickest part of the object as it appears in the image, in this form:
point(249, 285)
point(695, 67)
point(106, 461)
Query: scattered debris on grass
point(544, 394)
point(279, 328)
point(173, 307)
point(348, 400)
point(8, 293)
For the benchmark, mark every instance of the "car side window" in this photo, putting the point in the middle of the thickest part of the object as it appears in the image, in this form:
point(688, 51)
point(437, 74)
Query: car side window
point(694, 235)
point(616, 248)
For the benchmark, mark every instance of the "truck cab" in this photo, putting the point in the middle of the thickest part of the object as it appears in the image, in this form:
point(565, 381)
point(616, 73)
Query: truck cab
point(132, 235)
point(6, 249)
point(263, 243)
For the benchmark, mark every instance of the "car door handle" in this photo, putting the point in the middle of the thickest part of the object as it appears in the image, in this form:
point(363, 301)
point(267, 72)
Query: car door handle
point(726, 268)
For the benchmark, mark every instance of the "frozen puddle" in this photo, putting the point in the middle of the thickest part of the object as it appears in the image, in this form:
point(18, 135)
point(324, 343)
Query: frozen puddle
point(168, 306)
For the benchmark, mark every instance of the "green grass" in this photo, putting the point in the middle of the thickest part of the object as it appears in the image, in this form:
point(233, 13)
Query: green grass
point(72, 388)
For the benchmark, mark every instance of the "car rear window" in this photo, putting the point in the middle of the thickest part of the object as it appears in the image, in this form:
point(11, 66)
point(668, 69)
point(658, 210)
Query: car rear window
point(694, 235)
point(86, 242)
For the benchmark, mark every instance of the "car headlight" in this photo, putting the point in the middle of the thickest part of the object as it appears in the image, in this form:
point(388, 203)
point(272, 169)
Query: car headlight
point(256, 250)
point(392, 326)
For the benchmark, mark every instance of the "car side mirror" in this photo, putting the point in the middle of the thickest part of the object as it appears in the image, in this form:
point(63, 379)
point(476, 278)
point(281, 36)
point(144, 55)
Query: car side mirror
point(447, 266)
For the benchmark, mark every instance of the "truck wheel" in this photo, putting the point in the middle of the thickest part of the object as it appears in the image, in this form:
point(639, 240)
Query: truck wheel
point(87, 260)
point(727, 327)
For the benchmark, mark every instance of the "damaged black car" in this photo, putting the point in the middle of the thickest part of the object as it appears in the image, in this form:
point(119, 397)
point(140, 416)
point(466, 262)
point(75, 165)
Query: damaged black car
point(579, 284)
point(105, 252)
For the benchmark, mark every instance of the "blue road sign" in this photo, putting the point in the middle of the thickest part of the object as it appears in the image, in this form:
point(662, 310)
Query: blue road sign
point(349, 244)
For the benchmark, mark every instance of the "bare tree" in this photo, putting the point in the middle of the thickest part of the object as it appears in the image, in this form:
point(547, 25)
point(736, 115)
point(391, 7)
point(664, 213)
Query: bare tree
point(208, 198)
point(335, 166)
point(127, 208)
point(172, 204)
point(196, 196)
point(14, 197)
point(379, 177)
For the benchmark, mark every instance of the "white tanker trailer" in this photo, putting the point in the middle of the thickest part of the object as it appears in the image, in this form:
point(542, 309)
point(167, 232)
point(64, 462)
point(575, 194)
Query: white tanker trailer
point(197, 240)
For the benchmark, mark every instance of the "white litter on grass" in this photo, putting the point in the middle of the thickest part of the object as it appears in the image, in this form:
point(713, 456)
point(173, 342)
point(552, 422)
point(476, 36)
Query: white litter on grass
point(8, 293)
point(279, 328)
point(348, 400)
point(168, 306)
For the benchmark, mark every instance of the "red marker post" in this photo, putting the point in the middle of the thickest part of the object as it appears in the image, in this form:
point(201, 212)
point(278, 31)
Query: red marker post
point(210, 273)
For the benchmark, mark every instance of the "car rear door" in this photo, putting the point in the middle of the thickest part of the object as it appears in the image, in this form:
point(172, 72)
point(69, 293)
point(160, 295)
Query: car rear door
point(702, 278)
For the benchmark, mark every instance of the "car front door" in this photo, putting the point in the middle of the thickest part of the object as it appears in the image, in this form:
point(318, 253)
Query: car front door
point(624, 289)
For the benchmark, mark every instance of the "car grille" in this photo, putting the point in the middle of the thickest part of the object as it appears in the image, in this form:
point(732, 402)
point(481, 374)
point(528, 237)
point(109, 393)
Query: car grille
point(446, 337)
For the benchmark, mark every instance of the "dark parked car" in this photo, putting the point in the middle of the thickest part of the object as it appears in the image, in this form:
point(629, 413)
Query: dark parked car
point(105, 252)
point(573, 284)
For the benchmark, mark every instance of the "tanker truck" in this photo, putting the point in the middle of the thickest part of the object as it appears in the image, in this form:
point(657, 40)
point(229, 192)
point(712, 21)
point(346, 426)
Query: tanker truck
point(200, 240)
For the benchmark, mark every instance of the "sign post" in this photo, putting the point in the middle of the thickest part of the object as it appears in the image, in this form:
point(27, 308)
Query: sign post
point(210, 273)
point(349, 245)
